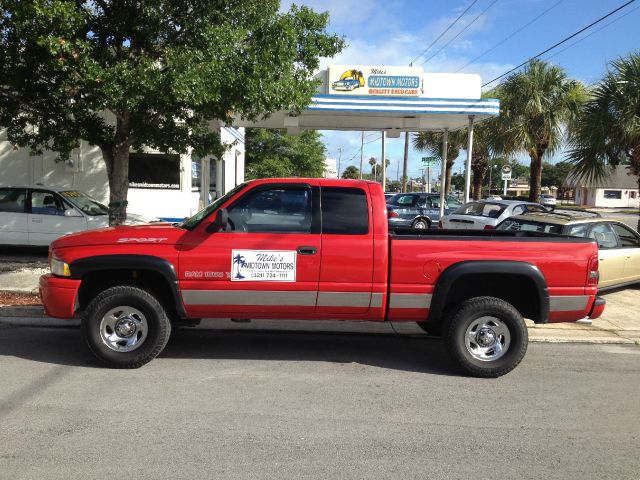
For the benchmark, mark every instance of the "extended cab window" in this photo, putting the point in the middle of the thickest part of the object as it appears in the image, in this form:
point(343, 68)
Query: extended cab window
point(344, 211)
point(273, 210)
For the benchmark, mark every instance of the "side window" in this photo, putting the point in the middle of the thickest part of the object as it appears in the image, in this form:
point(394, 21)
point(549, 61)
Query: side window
point(46, 203)
point(603, 234)
point(423, 202)
point(406, 200)
point(273, 210)
point(344, 211)
point(519, 210)
point(578, 230)
point(12, 200)
point(626, 236)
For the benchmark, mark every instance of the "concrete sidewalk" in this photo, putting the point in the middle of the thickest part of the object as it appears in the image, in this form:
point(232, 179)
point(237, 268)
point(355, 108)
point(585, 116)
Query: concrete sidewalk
point(620, 323)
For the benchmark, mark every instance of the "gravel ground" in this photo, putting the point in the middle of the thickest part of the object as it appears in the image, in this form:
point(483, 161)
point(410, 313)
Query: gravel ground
point(13, 299)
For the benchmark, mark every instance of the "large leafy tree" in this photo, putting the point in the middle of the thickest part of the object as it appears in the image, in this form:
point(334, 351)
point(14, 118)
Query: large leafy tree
point(431, 142)
point(121, 74)
point(537, 105)
point(274, 153)
point(607, 133)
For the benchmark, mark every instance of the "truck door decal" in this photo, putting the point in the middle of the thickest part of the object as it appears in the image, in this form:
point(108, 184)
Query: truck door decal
point(263, 266)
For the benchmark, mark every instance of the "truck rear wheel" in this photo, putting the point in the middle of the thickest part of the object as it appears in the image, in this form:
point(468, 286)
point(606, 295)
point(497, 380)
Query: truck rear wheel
point(486, 337)
point(125, 327)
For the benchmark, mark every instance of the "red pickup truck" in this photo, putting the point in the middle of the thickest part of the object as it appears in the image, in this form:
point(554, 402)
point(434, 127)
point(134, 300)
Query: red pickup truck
point(317, 249)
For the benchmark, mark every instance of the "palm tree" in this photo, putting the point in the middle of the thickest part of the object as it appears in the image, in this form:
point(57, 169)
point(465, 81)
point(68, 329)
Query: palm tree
point(537, 104)
point(607, 133)
point(431, 142)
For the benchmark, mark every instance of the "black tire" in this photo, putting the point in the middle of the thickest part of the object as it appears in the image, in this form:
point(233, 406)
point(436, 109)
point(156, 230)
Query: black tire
point(433, 329)
point(489, 316)
point(421, 224)
point(144, 309)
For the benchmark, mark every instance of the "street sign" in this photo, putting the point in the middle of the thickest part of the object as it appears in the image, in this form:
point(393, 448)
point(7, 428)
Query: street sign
point(429, 162)
point(506, 172)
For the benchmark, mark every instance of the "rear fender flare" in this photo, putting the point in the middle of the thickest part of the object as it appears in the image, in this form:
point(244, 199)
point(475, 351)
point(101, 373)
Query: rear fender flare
point(458, 270)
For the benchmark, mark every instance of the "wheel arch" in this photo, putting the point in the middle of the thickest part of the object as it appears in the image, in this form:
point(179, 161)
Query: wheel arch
point(155, 274)
point(521, 284)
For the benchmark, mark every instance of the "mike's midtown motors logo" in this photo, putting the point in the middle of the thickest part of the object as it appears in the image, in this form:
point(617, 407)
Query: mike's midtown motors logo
point(388, 81)
point(263, 266)
point(349, 80)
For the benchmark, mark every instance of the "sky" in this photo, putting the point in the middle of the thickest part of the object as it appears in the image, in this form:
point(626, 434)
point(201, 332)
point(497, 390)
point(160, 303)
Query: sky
point(396, 32)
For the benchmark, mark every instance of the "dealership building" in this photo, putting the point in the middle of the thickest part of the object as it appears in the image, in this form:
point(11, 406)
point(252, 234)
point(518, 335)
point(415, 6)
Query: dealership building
point(351, 97)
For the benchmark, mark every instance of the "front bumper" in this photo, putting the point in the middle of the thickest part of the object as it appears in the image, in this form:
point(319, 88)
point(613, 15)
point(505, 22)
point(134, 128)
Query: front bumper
point(597, 308)
point(59, 295)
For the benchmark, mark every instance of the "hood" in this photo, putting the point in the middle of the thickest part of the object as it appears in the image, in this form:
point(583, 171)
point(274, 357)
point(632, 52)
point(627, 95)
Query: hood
point(156, 233)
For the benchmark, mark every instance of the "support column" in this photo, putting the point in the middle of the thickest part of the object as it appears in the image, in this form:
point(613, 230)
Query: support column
point(361, 152)
point(443, 171)
point(384, 165)
point(467, 173)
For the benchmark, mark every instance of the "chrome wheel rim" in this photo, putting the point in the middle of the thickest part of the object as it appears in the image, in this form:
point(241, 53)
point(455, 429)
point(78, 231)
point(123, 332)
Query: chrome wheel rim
point(420, 225)
point(487, 339)
point(123, 329)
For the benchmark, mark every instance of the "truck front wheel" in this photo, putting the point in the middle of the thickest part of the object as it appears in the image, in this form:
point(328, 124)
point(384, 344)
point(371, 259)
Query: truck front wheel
point(486, 337)
point(125, 327)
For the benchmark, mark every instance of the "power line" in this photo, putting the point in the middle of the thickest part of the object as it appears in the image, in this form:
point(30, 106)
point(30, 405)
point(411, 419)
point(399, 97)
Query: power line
point(510, 36)
point(593, 33)
point(561, 42)
point(460, 32)
point(442, 34)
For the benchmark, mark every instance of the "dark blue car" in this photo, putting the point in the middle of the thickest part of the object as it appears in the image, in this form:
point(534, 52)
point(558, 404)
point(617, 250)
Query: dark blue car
point(417, 210)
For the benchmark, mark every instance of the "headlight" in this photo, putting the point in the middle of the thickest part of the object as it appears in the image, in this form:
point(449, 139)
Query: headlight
point(60, 268)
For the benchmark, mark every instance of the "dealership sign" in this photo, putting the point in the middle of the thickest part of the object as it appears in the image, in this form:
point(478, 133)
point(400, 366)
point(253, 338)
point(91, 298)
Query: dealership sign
point(368, 80)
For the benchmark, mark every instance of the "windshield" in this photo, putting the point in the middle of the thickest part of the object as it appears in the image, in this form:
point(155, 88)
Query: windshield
point(480, 209)
point(193, 222)
point(85, 203)
point(515, 225)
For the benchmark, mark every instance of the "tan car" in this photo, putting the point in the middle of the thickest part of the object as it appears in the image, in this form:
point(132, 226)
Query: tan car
point(618, 244)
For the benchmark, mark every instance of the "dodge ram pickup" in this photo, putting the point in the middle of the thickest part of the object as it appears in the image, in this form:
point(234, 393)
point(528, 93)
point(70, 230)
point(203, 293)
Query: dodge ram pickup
point(317, 249)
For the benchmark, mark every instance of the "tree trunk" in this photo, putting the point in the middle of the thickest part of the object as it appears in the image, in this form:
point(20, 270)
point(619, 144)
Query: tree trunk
point(447, 185)
point(405, 162)
point(535, 179)
point(638, 226)
point(478, 178)
point(116, 157)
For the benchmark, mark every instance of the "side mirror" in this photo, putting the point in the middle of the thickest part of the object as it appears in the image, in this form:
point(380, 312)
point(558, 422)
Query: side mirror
point(72, 212)
point(220, 223)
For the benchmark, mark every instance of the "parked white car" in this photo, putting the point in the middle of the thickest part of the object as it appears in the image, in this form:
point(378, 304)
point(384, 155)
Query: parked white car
point(547, 200)
point(37, 215)
point(486, 214)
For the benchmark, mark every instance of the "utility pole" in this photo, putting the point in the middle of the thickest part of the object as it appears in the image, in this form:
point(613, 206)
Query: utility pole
point(361, 152)
point(339, 158)
point(405, 162)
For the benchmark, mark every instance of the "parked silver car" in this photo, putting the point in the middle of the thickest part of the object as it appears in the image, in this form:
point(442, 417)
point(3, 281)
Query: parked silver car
point(486, 214)
point(417, 210)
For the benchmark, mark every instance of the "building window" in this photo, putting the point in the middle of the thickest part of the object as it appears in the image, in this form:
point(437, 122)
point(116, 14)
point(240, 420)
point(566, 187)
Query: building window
point(154, 170)
point(613, 194)
point(632, 194)
point(196, 174)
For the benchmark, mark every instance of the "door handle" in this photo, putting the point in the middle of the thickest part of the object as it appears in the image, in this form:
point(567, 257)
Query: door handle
point(307, 250)
point(36, 220)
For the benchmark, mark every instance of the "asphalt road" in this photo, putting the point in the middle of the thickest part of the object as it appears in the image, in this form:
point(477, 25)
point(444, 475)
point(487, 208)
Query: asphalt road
point(281, 405)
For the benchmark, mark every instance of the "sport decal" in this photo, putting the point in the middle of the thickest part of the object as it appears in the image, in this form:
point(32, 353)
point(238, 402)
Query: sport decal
point(263, 266)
